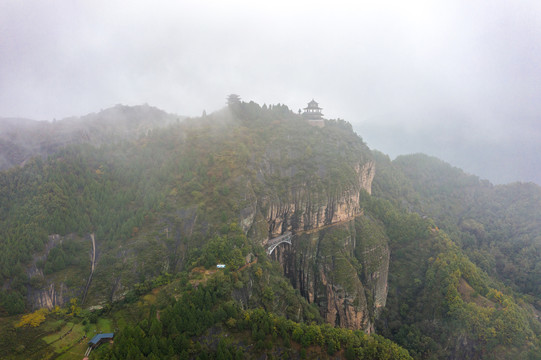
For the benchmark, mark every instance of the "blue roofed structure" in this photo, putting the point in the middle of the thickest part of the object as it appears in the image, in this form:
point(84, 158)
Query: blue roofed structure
point(100, 338)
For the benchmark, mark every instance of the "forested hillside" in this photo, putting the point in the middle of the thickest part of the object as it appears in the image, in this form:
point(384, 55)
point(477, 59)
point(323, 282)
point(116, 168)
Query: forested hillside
point(125, 236)
point(22, 139)
point(498, 226)
point(476, 292)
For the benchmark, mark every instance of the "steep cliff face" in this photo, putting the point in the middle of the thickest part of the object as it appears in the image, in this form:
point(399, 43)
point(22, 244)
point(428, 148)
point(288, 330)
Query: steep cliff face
point(338, 259)
point(341, 271)
point(372, 251)
point(327, 275)
point(305, 208)
point(344, 275)
point(46, 290)
point(48, 297)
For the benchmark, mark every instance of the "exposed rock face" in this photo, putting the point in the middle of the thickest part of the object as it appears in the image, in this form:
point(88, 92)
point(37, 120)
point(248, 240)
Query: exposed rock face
point(349, 285)
point(376, 270)
point(48, 291)
point(343, 273)
point(366, 175)
point(323, 266)
point(306, 210)
point(372, 250)
point(248, 214)
point(48, 297)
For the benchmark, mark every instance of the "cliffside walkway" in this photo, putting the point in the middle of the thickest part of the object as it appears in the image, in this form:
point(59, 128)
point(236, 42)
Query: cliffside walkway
point(274, 242)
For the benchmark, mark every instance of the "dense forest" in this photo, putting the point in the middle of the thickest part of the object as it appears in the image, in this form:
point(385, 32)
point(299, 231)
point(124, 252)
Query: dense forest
point(425, 262)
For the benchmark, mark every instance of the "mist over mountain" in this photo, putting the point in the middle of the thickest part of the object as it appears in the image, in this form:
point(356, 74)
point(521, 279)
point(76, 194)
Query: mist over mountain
point(22, 139)
point(268, 228)
point(488, 152)
point(501, 155)
point(460, 78)
point(256, 231)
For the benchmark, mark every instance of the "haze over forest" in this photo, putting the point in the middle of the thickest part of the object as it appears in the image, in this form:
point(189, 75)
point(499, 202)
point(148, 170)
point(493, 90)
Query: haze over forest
point(459, 80)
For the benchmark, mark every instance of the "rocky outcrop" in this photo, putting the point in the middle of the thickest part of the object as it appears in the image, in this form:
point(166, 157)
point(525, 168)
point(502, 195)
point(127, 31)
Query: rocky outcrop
point(47, 294)
point(47, 297)
point(375, 262)
point(366, 175)
point(305, 209)
point(340, 271)
point(48, 290)
point(372, 250)
point(346, 276)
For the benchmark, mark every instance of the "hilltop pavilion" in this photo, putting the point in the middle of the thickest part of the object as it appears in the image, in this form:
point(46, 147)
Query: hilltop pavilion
point(312, 113)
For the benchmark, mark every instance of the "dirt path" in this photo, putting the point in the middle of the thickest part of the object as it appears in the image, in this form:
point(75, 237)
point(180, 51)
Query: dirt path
point(247, 265)
point(326, 226)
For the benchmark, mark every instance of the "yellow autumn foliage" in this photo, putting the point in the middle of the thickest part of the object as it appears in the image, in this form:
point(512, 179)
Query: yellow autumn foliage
point(33, 319)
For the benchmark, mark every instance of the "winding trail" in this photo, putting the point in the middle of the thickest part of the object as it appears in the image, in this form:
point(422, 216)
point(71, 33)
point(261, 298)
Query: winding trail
point(92, 267)
point(247, 265)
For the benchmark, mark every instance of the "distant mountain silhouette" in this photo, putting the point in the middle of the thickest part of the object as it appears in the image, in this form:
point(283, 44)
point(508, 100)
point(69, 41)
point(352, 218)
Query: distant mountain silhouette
point(22, 139)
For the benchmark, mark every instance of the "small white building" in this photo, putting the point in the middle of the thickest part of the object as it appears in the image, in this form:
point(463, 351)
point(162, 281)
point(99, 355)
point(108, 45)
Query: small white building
point(220, 266)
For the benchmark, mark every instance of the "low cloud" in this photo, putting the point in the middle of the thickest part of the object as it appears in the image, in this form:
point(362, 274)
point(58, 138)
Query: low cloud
point(376, 65)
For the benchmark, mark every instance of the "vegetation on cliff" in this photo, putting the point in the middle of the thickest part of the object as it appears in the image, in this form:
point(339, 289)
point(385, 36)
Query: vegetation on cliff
point(441, 303)
point(206, 322)
point(441, 263)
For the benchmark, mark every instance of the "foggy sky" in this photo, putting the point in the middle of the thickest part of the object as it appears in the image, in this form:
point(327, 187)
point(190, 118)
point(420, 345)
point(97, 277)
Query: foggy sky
point(457, 79)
